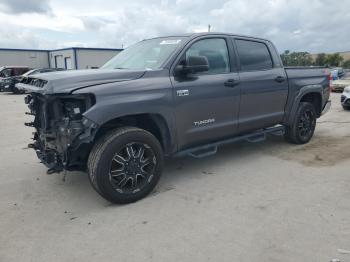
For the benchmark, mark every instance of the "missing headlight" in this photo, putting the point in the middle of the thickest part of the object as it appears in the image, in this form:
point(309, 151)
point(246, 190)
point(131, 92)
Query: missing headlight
point(74, 107)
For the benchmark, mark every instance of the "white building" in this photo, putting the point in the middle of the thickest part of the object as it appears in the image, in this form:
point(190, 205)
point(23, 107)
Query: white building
point(68, 58)
point(24, 57)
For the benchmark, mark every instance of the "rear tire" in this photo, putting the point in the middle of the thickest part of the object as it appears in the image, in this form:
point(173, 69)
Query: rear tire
point(125, 165)
point(303, 126)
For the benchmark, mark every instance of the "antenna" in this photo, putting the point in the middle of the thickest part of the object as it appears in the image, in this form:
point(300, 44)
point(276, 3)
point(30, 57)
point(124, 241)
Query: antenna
point(209, 26)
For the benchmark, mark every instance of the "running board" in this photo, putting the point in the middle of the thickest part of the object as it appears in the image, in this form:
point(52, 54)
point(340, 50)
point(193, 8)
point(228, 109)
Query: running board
point(256, 138)
point(204, 153)
point(212, 148)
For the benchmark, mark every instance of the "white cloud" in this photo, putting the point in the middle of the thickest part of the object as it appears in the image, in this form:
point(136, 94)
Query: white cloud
point(314, 25)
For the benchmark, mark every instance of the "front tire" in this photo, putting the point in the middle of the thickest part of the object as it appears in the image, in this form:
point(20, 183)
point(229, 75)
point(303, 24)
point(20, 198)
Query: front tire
point(303, 126)
point(125, 165)
point(346, 107)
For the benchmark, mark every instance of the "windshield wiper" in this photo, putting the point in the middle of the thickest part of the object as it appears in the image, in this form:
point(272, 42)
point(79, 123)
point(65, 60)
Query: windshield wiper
point(120, 68)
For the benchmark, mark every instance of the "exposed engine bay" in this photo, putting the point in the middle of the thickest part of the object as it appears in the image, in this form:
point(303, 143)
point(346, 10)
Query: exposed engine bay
point(63, 136)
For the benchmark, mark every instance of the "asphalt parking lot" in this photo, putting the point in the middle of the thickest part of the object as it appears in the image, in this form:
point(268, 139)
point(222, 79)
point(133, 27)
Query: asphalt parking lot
point(251, 202)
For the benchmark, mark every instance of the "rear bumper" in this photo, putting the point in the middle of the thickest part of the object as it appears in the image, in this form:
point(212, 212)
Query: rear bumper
point(337, 88)
point(326, 107)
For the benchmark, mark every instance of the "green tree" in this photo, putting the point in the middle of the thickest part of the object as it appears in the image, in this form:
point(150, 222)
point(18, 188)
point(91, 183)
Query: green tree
point(346, 64)
point(320, 59)
point(285, 57)
point(334, 59)
point(296, 58)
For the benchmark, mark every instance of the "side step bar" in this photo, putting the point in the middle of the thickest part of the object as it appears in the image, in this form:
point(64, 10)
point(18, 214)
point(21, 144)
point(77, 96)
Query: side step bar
point(212, 148)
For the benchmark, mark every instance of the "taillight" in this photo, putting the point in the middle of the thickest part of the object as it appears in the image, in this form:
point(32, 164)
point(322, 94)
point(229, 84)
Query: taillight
point(330, 78)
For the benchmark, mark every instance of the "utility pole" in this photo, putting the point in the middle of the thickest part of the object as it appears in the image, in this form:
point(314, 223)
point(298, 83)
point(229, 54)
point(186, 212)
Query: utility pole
point(209, 28)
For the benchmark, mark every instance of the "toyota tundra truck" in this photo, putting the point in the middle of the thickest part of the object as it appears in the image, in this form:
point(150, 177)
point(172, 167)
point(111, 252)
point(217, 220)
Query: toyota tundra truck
point(169, 96)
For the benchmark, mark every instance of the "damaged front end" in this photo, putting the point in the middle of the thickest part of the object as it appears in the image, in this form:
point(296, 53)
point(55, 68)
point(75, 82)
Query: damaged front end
point(63, 136)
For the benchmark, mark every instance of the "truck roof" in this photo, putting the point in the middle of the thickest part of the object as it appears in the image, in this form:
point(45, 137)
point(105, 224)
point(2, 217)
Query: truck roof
point(194, 35)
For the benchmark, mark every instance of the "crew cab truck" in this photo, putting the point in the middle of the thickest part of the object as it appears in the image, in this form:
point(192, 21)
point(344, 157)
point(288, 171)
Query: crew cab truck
point(169, 96)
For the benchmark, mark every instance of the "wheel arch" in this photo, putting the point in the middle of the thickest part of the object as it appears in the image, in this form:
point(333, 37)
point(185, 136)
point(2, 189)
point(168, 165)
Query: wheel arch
point(314, 98)
point(311, 94)
point(154, 123)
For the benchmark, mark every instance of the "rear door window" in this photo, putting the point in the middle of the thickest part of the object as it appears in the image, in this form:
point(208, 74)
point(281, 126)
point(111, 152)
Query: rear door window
point(253, 55)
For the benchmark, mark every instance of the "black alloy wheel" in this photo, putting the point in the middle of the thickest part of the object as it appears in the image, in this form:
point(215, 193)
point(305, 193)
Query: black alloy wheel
point(132, 167)
point(125, 164)
point(301, 130)
point(307, 123)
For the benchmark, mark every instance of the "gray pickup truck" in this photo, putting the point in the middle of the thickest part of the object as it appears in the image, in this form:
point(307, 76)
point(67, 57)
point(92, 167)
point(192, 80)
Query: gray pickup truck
point(169, 96)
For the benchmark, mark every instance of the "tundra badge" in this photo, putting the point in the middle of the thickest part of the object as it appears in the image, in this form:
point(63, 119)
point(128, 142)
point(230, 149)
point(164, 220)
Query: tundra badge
point(204, 122)
point(183, 92)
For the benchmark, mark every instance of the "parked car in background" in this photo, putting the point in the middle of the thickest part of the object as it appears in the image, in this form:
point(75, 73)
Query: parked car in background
point(334, 75)
point(7, 72)
point(337, 73)
point(340, 84)
point(341, 72)
point(345, 98)
point(12, 82)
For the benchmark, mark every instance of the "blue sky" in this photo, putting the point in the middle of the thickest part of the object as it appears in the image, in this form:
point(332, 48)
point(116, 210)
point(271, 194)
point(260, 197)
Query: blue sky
point(298, 25)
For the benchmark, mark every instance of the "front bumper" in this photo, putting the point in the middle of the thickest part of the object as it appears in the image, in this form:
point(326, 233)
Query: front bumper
point(19, 87)
point(345, 99)
point(326, 107)
point(7, 88)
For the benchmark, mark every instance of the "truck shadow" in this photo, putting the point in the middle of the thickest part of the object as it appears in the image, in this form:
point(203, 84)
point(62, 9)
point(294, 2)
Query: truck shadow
point(188, 167)
point(321, 151)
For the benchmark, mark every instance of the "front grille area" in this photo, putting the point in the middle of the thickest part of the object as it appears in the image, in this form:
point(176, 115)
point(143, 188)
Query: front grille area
point(34, 82)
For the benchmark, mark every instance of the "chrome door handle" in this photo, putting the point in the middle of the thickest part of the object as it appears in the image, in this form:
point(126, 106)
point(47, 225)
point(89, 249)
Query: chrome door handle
point(231, 83)
point(280, 79)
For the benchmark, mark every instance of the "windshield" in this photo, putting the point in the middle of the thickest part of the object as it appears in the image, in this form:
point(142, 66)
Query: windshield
point(147, 54)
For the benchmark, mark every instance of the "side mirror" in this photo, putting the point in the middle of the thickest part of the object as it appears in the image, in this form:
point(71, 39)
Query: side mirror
point(194, 64)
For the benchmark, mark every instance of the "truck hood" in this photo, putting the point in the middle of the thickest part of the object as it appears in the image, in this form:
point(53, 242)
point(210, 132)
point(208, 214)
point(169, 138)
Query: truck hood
point(68, 81)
